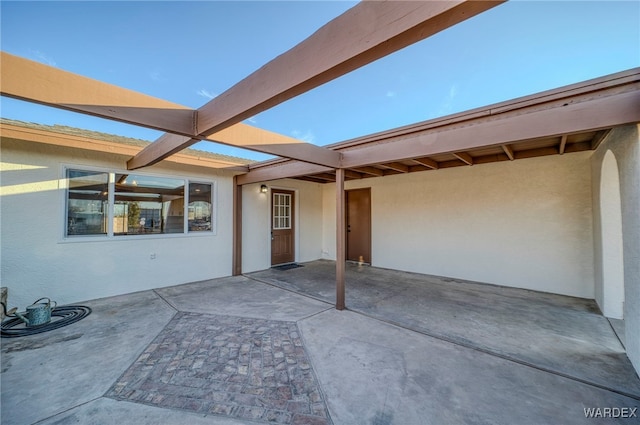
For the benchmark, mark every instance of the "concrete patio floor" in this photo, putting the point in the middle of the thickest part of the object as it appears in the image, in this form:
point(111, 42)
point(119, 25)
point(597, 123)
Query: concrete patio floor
point(270, 348)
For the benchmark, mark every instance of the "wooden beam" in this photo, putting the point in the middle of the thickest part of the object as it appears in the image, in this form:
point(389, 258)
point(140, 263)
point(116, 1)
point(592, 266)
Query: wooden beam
point(427, 162)
point(361, 35)
point(311, 179)
point(324, 176)
point(578, 147)
point(509, 151)
point(236, 266)
point(534, 153)
point(596, 104)
point(284, 169)
point(242, 136)
point(367, 32)
point(604, 112)
point(396, 166)
point(35, 82)
point(563, 144)
point(352, 174)
point(259, 140)
point(599, 138)
point(372, 171)
point(340, 240)
point(464, 157)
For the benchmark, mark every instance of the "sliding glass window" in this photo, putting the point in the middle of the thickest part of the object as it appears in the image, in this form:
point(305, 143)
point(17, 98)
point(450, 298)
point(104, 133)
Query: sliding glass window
point(87, 202)
point(145, 204)
point(200, 207)
point(141, 204)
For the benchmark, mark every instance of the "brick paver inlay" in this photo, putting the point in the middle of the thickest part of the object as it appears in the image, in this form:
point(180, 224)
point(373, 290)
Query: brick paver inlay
point(249, 369)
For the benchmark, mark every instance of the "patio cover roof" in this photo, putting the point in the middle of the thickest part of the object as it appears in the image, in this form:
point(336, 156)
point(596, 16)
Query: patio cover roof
point(569, 119)
point(573, 118)
point(368, 31)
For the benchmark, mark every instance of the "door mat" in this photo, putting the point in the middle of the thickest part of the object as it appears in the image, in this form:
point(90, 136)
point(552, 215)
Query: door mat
point(287, 266)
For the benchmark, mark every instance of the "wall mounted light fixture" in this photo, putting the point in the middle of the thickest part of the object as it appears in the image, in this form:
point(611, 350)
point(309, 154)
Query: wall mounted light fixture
point(264, 188)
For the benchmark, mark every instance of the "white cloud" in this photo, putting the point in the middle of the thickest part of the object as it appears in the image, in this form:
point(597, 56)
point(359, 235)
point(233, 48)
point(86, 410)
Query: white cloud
point(45, 59)
point(307, 136)
point(391, 93)
point(206, 93)
point(252, 120)
point(447, 103)
point(157, 76)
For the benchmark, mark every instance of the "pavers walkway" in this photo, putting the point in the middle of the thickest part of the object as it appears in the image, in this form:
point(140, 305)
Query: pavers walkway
point(244, 368)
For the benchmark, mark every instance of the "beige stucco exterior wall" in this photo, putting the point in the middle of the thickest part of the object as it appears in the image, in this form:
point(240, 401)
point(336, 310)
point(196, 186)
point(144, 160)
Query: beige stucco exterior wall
point(256, 226)
point(525, 223)
point(37, 261)
point(624, 143)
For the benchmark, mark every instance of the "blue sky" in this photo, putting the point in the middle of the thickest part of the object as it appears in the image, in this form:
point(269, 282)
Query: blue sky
point(188, 52)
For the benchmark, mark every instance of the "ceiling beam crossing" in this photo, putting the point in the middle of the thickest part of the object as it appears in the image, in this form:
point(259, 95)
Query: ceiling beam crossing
point(427, 162)
point(372, 171)
point(464, 157)
point(563, 144)
point(599, 138)
point(509, 151)
point(396, 166)
point(324, 176)
point(352, 174)
point(365, 33)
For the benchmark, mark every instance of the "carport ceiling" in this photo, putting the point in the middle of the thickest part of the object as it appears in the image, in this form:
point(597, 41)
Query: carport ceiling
point(557, 145)
point(568, 119)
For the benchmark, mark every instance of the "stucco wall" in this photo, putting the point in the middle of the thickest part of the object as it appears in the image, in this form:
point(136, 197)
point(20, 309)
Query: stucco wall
point(624, 143)
point(525, 223)
point(256, 213)
point(37, 261)
point(607, 234)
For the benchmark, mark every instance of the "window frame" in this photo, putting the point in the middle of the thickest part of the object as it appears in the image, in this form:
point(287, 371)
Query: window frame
point(214, 203)
point(65, 203)
point(110, 236)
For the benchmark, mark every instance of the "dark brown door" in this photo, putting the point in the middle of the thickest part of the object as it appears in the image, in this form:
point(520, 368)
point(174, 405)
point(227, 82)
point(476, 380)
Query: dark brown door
point(359, 225)
point(282, 227)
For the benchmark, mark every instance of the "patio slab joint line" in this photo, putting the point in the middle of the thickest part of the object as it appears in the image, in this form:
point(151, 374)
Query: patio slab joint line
point(504, 357)
point(66, 410)
point(615, 332)
point(287, 289)
point(165, 300)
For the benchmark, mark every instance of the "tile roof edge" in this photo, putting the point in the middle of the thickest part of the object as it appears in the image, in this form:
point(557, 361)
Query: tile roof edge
point(74, 131)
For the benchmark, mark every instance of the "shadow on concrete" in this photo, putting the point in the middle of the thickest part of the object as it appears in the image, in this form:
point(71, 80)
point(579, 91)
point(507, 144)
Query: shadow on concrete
point(270, 348)
point(563, 335)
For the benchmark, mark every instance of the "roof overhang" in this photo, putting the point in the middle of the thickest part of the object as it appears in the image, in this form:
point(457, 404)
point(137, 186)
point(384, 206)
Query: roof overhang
point(87, 142)
point(573, 118)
